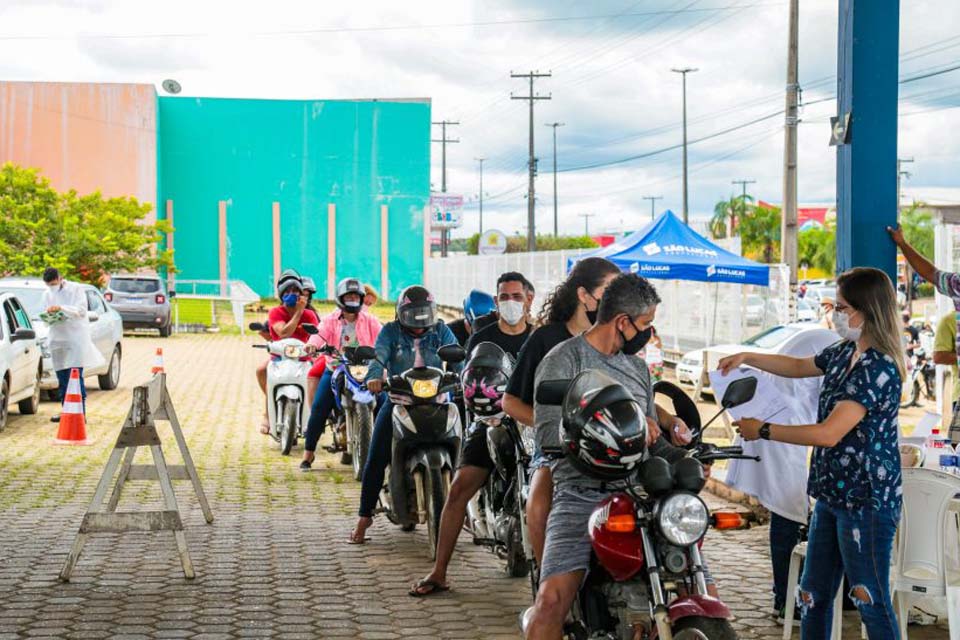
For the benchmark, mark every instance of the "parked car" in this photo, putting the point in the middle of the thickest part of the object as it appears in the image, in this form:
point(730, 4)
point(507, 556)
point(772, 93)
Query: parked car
point(779, 339)
point(20, 359)
point(815, 295)
point(106, 331)
point(806, 311)
point(143, 302)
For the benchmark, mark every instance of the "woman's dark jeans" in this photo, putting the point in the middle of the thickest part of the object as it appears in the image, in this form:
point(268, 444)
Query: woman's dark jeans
point(378, 458)
point(323, 403)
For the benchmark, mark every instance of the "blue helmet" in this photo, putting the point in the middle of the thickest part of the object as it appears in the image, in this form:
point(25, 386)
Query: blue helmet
point(476, 304)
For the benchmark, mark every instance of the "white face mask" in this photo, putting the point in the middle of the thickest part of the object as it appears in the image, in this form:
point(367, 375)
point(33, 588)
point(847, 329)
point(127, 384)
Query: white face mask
point(511, 312)
point(841, 322)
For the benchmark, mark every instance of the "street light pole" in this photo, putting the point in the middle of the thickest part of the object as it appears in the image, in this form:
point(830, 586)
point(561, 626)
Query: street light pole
point(586, 222)
point(653, 201)
point(686, 209)
point(907, 271)
point(480, 160)
point(555, 125)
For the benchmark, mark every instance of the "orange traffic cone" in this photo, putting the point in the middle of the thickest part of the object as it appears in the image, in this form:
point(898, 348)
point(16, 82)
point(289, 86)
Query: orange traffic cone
point(73, 426)
point(158, 362)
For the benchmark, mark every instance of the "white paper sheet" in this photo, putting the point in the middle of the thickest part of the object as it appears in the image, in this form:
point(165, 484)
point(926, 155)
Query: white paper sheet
point(768, 402)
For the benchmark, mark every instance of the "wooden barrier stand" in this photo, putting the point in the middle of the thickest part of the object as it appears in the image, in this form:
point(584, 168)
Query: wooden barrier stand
point(151, 401)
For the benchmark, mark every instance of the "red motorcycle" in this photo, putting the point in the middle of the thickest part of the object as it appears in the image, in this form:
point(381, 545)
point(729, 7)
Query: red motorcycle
point(647, 575)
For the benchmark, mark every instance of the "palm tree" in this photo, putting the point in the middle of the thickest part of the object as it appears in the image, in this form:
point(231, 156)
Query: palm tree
point(722, 213)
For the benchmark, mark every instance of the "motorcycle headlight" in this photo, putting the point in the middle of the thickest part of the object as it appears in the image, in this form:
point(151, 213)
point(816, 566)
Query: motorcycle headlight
point(292, 351)
point(425, 388)
point(683, 519)
point(358, 371)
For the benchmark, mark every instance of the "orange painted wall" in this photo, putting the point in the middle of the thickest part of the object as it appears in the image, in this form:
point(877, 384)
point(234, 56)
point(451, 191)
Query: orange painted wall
point(83, 136)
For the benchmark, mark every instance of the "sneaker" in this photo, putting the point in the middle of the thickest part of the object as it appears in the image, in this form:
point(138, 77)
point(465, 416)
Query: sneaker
point(55, 418)
point(305, 465)
point(796, 616)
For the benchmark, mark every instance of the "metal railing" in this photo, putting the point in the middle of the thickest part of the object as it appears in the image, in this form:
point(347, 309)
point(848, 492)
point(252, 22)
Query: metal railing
point(236, 292)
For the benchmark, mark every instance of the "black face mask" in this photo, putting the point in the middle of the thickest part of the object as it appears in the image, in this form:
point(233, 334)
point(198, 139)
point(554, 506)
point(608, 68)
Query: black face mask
point(592, 315)
point(635, 345)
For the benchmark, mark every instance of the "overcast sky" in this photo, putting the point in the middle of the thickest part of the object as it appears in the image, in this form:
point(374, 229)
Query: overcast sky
point(611, 86)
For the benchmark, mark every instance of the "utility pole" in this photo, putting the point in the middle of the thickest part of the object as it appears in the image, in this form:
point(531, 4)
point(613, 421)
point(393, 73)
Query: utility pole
point(653, 202)
point(531, 190)
point(907, 271)
point(444, 232)
point(686, 209)
point(788, 229)
point(480, 160)
point(743, 202)
point(555, 125)
point(586, 222)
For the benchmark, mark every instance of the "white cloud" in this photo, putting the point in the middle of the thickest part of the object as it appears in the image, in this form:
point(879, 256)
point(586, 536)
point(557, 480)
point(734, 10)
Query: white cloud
point(611, 86)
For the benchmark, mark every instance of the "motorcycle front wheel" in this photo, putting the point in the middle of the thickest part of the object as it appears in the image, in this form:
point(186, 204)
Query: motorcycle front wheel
point(697, 627)
point(435, 494)
point(362, 426)
point(290, 411)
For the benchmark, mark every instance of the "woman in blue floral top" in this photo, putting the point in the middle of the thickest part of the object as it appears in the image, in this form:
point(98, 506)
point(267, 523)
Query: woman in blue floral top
point(855, 469)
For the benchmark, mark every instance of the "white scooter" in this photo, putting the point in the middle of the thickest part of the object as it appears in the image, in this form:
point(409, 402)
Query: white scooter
point(287, 409)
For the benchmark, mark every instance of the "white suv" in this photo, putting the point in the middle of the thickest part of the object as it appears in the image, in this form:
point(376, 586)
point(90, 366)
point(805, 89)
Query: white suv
point(20, 360)
point(106, 331)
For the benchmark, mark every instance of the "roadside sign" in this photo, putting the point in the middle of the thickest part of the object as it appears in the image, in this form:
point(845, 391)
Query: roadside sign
point(492, 242)
point(446, 211)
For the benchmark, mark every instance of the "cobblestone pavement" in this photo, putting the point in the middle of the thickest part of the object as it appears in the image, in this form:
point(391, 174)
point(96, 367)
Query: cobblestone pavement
point(274, 564)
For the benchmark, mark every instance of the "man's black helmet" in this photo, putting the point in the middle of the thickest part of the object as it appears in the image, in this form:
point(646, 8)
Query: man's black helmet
point(350, 285)
point(485, 378)
point(288, 280)
point(604, 430)
point(416, 308)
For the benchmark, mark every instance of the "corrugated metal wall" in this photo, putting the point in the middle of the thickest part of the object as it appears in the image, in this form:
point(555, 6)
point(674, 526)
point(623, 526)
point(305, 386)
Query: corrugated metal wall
point(83, 136)
point(305, 156)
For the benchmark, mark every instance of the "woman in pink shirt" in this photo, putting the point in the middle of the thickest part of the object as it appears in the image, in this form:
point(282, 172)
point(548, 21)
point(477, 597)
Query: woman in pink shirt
point(349, 326)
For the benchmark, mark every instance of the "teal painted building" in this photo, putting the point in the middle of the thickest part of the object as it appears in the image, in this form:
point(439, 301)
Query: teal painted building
point(332, 188)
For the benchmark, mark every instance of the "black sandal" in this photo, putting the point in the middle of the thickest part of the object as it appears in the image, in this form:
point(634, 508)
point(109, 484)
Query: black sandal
point(433, 585)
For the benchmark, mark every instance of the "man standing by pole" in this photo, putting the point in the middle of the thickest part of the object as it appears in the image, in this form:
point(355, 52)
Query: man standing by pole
point(65, 307)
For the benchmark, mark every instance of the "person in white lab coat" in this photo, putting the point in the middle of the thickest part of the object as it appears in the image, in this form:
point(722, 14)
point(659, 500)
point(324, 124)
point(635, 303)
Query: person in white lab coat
point(70, 343)
point(779, 480)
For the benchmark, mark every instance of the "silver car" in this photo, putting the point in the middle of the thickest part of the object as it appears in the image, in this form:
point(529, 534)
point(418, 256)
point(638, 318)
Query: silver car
point(106, 331)
point(143, 302)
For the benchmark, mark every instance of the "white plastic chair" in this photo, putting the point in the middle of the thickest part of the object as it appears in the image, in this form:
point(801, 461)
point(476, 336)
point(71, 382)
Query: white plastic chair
point(793, 580)
point(921, 565)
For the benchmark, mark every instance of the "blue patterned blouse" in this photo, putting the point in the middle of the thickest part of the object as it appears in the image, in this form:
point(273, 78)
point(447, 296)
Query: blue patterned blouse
point(863, 470)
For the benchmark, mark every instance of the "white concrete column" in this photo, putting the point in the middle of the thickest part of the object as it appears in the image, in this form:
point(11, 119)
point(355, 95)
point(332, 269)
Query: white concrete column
point(331, 251)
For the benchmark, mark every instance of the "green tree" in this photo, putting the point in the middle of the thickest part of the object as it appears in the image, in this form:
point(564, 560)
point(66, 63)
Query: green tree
point(518, 244)
point(760, 233)
point(817, 247)
point(727, 213)
point(86, 237)
point(917, 224)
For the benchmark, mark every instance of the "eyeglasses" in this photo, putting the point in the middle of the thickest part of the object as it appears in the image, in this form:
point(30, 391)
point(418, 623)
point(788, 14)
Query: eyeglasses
point(843, 307)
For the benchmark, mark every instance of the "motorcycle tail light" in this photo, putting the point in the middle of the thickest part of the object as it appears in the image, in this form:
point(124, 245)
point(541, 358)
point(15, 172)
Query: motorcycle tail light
point(622, 523)
point(728, 520)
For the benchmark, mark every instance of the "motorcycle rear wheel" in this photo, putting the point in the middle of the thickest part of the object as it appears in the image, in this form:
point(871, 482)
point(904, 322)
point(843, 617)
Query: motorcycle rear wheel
point(435, 491)
point(288, 428)
point(712, 628)
point(517, 564)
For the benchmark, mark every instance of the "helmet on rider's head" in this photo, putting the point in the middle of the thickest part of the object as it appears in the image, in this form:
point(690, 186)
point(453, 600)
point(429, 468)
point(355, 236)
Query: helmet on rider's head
point(603, 429)
point(485, 378)
point(416, 308)
point(289, 279)
point(477, 303)
point(309, 286)
point(348, 286)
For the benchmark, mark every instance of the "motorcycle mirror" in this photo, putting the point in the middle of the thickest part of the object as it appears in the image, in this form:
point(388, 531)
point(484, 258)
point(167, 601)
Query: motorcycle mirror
point(257, 326)
point(552, 392)
point(365, 353)
point(310, 328)
point(452, 353)
point(739, 392)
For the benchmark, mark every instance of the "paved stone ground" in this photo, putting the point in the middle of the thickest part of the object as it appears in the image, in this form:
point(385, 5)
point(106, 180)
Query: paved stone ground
point(275, 563)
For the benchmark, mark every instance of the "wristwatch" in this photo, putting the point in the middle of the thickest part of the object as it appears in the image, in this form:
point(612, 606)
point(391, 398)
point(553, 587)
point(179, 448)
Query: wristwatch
point(765, 431)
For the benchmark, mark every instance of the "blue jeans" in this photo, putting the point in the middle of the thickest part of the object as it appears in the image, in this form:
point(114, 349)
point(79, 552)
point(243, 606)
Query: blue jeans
point(858, 544)
point(63, 378)
point(323, 403)
point(378, 458)
point(784, 536)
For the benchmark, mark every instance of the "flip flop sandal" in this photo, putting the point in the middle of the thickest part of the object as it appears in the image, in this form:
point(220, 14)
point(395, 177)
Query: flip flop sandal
point(353, 540)
point(435, 587)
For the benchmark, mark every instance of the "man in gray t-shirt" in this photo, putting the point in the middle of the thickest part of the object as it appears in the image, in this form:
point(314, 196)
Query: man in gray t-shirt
point(622, 330)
